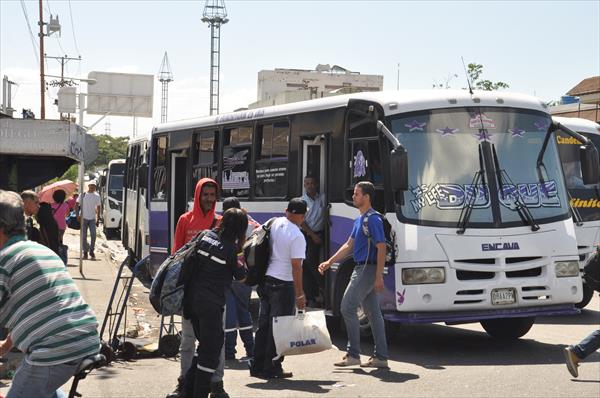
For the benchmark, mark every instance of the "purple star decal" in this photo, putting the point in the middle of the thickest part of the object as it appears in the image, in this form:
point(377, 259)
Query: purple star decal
point(541, 125)
point(415, 126)
point(483, 135)
point(446, 131)
point(517, 132)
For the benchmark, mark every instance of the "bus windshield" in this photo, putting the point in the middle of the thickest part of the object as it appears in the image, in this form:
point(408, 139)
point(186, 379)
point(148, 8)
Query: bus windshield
point(583, 197)
point(445, 153)
point(115, 181)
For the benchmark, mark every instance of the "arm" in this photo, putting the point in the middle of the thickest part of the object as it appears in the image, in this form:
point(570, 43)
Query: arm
point(97, 215)
point(380, 264)
point(342, 253)
point(298, 289)
point(6, 345)
point(311, 234)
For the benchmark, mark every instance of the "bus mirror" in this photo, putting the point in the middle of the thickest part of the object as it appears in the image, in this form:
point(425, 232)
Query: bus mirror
point(399, 169)
point(590, 165)
point(143, 176)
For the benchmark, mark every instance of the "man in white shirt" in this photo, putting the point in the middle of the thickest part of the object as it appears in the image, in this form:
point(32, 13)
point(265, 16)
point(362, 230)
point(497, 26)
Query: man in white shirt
point(90, 217)
point(281, 290)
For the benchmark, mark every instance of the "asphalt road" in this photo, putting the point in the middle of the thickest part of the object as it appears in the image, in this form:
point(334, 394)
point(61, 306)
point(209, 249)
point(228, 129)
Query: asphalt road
point(426, 360)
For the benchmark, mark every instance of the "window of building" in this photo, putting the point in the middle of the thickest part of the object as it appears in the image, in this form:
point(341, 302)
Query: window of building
point(272, 160)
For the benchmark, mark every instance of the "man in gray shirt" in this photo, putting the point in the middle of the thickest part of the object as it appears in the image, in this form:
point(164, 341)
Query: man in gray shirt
point(313, 229)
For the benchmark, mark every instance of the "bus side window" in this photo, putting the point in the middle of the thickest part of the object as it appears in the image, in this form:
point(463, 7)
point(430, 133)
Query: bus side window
point(237, 145)
point(159, 177)
point(205, 159)
point(272, 160)
point(365, 165)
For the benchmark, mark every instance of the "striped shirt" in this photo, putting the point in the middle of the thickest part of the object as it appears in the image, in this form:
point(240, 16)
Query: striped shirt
point(41, 306)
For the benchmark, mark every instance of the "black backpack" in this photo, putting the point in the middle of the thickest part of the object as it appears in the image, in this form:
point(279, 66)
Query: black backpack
point(257, 251)
point(390, 247)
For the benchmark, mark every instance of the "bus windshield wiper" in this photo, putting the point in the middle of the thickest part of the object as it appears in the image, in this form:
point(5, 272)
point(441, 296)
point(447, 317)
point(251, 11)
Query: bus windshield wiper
point(465, 213)
point(519, 205)
point(575, 211)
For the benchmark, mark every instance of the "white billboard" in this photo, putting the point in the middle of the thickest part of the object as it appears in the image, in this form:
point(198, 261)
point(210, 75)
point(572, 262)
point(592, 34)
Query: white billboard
point(120, 94)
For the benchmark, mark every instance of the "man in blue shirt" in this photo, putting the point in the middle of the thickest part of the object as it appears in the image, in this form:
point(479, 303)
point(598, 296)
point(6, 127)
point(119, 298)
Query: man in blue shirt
point(367, 245)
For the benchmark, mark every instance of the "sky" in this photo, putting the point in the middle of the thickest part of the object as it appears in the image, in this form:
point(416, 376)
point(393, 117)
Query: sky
point(543, 48)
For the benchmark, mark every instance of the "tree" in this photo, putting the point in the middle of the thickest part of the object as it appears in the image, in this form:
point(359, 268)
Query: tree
point(475, 71)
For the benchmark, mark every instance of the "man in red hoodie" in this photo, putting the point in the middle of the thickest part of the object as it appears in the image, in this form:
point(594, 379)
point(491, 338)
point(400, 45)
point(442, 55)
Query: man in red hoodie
point(201, 217)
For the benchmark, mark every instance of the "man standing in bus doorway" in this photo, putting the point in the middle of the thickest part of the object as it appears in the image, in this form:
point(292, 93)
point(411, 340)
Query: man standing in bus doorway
point(312, 228)
point(366, 280)
point(201, 217)
point(90, 217)
point(281, 292)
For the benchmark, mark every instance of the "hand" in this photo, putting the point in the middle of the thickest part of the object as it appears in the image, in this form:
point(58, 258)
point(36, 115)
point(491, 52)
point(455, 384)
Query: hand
point(301, 302)
point(323, 267)
point(316, 239)
point(97, 222)
point(378, 283)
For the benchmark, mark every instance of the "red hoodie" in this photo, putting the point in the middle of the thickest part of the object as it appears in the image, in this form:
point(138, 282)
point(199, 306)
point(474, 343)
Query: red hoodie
point(195, 221)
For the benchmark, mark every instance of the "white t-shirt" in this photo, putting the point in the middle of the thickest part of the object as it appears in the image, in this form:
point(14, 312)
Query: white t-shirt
point(91, 200)
point(287, 242)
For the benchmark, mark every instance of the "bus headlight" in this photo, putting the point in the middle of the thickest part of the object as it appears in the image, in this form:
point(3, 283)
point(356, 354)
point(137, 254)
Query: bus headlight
point(566, 268)
point(417, 276)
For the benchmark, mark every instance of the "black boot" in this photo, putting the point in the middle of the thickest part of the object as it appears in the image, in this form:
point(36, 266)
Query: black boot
point(217, 391)
point(202, 385)
point(178, 391)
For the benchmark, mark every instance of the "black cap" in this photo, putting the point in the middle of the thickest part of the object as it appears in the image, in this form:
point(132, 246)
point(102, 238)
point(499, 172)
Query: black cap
point(231, 203)
point(297, 206)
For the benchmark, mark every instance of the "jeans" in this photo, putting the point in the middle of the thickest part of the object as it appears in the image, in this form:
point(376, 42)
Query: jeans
point(187, 351)
point(360, 290)
point(41, 381)
point(238, 318)
point(588, 345)
point(277, 298)
point(314, 282)
point(84, 227)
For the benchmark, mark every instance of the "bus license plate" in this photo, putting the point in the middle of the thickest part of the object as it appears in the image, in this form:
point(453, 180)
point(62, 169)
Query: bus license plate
point(503, 296)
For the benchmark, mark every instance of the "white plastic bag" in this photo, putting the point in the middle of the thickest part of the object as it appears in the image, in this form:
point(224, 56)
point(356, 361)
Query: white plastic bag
point(303, 333)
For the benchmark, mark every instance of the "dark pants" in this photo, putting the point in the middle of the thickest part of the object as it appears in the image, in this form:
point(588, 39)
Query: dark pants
point(207, 321)
point(277, 298)
point(314, 282)
point(238, 317)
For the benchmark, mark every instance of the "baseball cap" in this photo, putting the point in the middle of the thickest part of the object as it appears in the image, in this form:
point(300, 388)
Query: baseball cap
point(230, 203)
point(297, 206)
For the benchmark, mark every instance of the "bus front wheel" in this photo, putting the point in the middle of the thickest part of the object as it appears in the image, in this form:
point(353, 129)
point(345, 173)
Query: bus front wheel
point(588, 292)
point(508, 328)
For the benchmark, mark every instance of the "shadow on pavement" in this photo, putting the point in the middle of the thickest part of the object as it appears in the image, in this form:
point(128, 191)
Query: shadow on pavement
point(437, 346)
point(385, 375)
point(310, 386)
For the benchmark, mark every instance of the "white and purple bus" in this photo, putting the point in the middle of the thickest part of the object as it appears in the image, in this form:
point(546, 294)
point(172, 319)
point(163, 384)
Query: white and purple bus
point(471, 184)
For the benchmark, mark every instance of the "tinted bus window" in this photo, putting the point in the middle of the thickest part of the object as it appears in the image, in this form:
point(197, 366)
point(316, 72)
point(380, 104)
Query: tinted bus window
point(237, 145)
point(205, 156)
point(159, 177)
point(272, 160)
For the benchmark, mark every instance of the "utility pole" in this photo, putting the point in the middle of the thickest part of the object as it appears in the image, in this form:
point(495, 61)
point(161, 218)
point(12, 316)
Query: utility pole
point(165, 76)
point(63, 60)
point(53, 26)
point(215, 14)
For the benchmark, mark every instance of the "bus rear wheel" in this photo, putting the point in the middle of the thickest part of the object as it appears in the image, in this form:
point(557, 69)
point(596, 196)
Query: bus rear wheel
point(508, 328)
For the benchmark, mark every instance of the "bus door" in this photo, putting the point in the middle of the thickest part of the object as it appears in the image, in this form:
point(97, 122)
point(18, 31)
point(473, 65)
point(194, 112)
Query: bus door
point(314, 150)
point(178, 198)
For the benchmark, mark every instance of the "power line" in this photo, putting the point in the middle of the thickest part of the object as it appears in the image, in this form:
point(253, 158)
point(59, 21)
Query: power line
point(73, 29)
point(35, 47)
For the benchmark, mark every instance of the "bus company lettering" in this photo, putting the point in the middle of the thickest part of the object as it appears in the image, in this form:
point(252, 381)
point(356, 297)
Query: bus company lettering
point(488, 247)
point(582, 203)
point(567, 140)
point(456, 196)
point(302, 343)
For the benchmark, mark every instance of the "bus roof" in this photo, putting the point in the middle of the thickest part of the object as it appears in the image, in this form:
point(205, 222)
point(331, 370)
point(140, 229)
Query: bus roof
point(116, 161)
point(393, 102)
point(579, 125)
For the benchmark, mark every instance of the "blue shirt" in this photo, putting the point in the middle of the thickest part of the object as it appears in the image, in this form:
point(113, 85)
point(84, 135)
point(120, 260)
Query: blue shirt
point(365, 251)
point(314, 215)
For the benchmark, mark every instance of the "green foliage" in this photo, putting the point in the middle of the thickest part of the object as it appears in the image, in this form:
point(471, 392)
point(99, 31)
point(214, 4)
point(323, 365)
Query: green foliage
point(70, 174)
point(109, 148)
point(475, 71)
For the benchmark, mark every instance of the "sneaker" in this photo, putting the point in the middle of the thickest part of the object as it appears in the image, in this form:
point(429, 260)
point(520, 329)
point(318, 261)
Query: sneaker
point(92, 256)
point(375, 362)
point(217, 390)
point(178, 391)
point(572, 361)
point(282, 374)
point(85, 256)
point(347, 361)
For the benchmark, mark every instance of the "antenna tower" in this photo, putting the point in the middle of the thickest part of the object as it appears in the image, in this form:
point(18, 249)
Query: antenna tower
point(215, 14)
point(165, 76)
point(107, 127)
